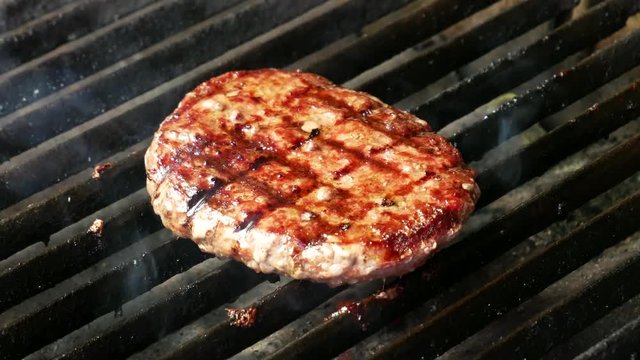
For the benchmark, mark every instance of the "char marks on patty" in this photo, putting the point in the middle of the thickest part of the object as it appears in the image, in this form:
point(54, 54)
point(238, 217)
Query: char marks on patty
point(284, 170)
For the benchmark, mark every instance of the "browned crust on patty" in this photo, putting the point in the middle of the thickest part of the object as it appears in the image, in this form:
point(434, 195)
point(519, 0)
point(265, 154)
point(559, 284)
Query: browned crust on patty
point(288, 172)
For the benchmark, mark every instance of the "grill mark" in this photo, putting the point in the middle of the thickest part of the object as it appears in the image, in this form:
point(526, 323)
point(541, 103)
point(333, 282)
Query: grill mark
point(176, 157)
point(379, 165)
point(401, 141)
point(397, 242)
point(363, 159)
point(241, 176)
point(280, 157)
point(203, 195)
point(376, 151)
point(284, 200)
point(342, 105)
point(298, 93)
point(398, 139)
point(359, 157)
point(410, 187)
point(261, 160)
point(278, 198)
point(314, 133)
point(275, 198)
point(351, 112)
point(371, 120)
point(345, 170)
point(298, 145)
point(249, 221)
point(343, 204)
point(275, 201)
point(197, 200)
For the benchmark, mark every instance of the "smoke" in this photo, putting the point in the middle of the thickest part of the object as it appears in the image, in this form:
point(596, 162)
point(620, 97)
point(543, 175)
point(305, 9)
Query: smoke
point(143, 272)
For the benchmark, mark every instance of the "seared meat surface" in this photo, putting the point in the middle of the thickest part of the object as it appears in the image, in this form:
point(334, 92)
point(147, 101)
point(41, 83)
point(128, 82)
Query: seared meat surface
point(290, 173)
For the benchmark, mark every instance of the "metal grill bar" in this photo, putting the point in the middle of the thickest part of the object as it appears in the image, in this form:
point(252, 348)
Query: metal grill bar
point(534, 158)
point(41, 166)
point(422, 67)
point(503, 285)
point(464, 257)
point(29, 126)
point(561, 309)
point(167, 306)
point(39, 266)
point(509, 71)
point(20, 11)
point(593, 179)
point(93, 52)
point(299, 327)
point(57, 27)
point(125, 175)
point(215, 337)
point(96, 291)
point(387, 36)
point(553, 95)
point(615, 335)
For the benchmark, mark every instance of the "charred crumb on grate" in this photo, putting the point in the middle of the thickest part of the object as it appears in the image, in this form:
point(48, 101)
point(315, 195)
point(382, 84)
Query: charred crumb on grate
point(99, 169)
point(358, 308)
point(243, 317)
point(388, 294)
point(355, 308)
point(96, 228)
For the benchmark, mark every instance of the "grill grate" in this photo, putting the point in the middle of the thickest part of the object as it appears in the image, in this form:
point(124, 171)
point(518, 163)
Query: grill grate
point(513, 69)
point(548, 262)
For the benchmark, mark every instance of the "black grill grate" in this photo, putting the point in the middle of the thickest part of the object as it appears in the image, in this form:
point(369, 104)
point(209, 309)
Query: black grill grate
point(547, 266)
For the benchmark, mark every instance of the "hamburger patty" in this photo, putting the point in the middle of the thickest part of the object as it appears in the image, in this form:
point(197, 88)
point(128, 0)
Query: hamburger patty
point(289, 173)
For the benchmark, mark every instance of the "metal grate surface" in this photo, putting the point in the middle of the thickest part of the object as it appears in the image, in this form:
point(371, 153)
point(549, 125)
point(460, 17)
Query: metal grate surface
point(541, 96)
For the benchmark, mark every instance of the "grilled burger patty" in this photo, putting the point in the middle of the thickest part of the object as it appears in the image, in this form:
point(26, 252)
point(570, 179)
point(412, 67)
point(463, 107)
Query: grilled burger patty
point(287, 172)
